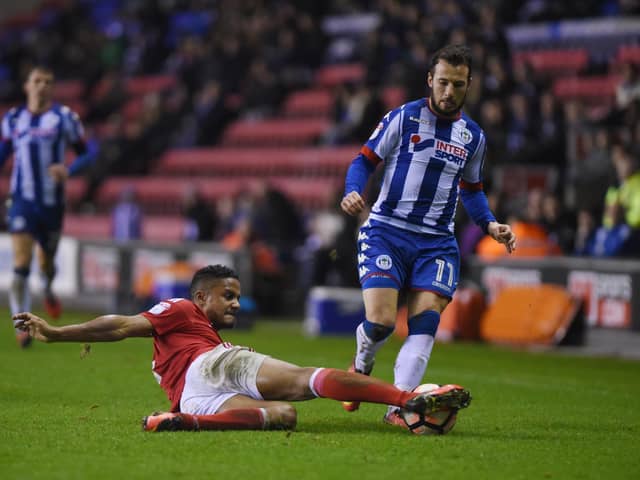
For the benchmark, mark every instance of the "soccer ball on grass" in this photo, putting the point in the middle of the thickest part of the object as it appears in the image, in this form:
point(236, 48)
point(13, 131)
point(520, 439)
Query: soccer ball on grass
point(436, 423)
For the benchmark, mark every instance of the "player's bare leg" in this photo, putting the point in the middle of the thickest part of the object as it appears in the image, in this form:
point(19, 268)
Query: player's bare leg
point(19, 296)
point(46, 260)
point(381, 311)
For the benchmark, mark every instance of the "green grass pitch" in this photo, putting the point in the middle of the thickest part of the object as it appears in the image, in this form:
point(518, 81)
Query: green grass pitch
point(533, 415)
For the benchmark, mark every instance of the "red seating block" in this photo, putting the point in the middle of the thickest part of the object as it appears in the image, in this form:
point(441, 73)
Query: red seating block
point(555, 61)
point(132, 108)
point(163, 195)
point(628, 54)
point(332, 75)
point(596, 87)
point(309, 103)
point(163, 228)
point(393, 97)
point(155, 228)
point(274, 132)
point(229, 161)
point(87, 226)
point(148, 84)
point(67, 90)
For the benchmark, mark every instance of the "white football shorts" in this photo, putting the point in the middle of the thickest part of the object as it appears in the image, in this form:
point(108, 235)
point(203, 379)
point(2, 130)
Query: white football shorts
point(219, 374)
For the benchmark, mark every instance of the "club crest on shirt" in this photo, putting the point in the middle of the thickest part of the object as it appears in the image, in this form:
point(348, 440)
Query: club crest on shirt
point(383, 262)
point(466, 136)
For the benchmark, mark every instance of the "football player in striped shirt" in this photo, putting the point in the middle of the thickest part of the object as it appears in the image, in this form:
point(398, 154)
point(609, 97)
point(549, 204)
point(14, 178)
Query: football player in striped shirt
point(37, 134)
point(433, 154)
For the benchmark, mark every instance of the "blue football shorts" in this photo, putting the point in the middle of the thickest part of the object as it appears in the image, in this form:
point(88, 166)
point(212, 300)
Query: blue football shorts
point(389, 257)
point(43, 223)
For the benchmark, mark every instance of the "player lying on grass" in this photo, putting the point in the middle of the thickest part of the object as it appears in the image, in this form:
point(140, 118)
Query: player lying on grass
point(213, 385)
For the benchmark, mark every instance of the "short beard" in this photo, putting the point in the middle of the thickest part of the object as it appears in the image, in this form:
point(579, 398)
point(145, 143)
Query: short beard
point(439, 111)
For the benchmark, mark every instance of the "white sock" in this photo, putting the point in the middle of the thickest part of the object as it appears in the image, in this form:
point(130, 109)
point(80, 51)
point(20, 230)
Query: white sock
point(19, 296)
point(366, 349)
point(411, 362)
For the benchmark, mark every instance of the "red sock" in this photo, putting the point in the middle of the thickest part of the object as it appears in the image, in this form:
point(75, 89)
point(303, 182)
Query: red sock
point(236, 419)
point(354, 387)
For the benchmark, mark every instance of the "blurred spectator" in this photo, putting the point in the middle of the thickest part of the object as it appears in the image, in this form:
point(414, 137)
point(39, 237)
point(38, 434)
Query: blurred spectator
point(550, 145)
point(618, 236)
point(628, 90)
point(494, 124)
point(559, 223)
point(329, 255)
point(590, 173)
point(627, 194)
point(585, 233)
point(200, 219)
point(107, 97)
point(356, 109)
point(126, 218)
point(520, 130)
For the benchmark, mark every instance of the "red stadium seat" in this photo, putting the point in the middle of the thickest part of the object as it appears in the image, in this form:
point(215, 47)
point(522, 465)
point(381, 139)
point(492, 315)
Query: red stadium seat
point(628, 54)
point(393, 97)
point(155, 228)
point(163, 195)
point(587, 88)
point(163, 228)
point(149, 84)
point(309, 103)
point(253, 161)
point(275, 132)
point(87, 226)
point(75, 189)
point(65, 91)
point(132, 108)
point(333, 75)
point(556, 61)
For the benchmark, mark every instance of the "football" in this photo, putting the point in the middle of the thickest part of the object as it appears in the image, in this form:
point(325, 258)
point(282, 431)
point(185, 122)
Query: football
point(436, 423)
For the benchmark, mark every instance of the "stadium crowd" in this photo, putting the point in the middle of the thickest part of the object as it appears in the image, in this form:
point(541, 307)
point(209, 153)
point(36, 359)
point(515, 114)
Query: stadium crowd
point(240, 59)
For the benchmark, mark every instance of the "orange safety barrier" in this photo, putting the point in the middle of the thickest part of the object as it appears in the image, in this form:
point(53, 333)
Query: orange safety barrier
point(533, 241)
point(530, 315)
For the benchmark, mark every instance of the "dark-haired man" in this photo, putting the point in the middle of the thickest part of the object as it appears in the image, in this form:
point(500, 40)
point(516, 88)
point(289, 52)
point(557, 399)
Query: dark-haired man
point(431, 151)
point(37, 134)
point(213, 385)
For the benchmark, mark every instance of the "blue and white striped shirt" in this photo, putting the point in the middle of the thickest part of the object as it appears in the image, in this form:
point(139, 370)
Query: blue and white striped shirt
point(38, 141)
point(426, 159)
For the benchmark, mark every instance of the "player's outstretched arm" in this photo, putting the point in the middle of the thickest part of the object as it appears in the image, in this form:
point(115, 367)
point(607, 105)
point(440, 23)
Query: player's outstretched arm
point(502, 233)
point(107, 328)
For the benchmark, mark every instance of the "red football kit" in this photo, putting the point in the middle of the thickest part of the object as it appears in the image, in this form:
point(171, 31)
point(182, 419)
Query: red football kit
point(182, 332)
